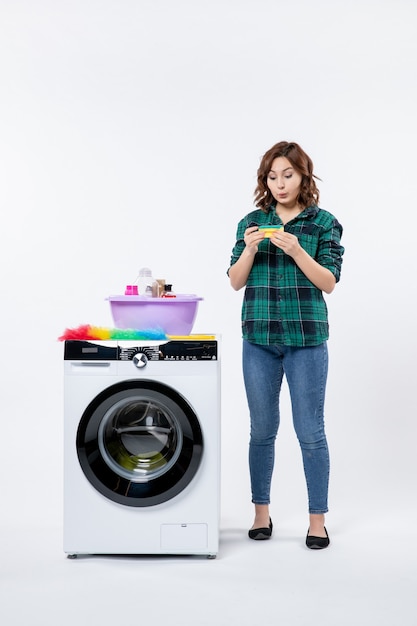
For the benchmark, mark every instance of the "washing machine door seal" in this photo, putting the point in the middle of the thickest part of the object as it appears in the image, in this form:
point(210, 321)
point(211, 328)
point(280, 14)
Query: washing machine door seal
point(139, 443)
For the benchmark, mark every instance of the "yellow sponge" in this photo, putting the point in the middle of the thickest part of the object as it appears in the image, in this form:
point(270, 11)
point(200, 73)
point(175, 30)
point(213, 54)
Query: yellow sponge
point(269, 230)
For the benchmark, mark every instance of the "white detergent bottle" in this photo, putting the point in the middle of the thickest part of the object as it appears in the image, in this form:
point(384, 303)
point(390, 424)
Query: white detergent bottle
point(145, 281)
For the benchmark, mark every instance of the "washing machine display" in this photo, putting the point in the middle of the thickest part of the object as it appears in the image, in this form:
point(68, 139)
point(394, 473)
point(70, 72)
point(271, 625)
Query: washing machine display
point(139, 443)
point(142, 447)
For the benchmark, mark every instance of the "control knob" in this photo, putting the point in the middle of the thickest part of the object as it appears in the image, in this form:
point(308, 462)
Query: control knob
point(140, 360)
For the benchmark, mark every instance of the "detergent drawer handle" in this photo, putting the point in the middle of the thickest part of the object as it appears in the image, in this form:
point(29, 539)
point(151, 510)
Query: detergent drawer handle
point(82, 364)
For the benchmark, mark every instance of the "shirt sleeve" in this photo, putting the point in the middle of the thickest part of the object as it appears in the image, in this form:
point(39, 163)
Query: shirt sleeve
point(330, 251)
point(240, 243)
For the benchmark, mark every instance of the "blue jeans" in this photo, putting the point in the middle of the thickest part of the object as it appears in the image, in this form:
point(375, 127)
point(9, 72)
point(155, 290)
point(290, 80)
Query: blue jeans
point(306, 372)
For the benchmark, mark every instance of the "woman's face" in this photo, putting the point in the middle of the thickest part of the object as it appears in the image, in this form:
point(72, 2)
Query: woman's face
point(284, 182)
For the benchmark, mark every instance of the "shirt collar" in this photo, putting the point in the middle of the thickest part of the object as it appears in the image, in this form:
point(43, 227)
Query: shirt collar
point(310, 211)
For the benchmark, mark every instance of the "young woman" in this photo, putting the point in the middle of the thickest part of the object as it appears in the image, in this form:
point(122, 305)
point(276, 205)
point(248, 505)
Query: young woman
point(284, 324)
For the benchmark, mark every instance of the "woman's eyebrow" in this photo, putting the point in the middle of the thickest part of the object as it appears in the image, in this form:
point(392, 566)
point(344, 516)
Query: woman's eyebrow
point(284, 170)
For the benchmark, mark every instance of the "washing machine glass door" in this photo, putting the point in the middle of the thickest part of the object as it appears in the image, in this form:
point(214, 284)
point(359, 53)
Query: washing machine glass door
point(139, 443)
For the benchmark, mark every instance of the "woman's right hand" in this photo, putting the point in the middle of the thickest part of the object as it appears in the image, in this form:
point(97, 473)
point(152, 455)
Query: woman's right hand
point(252, 238)
point(240, 271)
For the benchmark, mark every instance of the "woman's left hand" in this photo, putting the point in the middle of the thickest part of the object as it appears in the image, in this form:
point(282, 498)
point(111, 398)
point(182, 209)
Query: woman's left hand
point(286, 242)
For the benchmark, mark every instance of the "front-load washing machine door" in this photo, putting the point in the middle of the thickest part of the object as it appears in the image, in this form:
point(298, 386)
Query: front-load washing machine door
point(139, 443)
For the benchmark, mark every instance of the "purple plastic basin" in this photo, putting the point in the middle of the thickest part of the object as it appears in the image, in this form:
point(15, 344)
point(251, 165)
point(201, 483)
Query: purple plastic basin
point(174, 316)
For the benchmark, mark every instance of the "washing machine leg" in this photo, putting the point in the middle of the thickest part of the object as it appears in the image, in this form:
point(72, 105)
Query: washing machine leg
point(72, 556)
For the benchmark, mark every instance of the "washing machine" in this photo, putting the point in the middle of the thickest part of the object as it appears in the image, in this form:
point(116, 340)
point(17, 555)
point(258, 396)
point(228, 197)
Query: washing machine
point(142, 447)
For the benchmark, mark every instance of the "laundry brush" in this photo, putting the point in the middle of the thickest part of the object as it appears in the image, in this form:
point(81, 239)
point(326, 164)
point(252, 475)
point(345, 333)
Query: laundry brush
point(86, 332)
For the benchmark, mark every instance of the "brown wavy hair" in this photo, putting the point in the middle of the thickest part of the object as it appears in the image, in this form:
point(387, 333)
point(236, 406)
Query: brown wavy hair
point(301, 162)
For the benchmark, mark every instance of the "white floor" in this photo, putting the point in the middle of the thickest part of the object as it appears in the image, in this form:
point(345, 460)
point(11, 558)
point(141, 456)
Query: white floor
point(367, 576)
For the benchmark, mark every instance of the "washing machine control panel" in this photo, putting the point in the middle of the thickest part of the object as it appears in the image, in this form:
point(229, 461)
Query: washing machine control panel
point(184, 350)
point(170, 351)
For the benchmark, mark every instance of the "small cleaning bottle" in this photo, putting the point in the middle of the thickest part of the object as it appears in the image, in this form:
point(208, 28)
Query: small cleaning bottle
point(131, 290)
point(144, 282)
point(168, 293)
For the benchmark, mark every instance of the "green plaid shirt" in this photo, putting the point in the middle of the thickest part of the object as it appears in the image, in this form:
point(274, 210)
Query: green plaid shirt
point(280, 305)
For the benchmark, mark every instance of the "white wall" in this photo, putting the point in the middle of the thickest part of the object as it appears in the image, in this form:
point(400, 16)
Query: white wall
point(130, 135)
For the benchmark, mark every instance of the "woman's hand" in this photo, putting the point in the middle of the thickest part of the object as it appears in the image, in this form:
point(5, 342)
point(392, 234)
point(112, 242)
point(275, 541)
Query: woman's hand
point(286, 242)
point(240, 271)
point(252, 238)
point(320, 276)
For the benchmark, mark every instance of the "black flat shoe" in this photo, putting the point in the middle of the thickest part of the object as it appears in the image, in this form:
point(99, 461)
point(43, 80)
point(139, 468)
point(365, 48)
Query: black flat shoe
point(317, 543)
point(261, 533)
